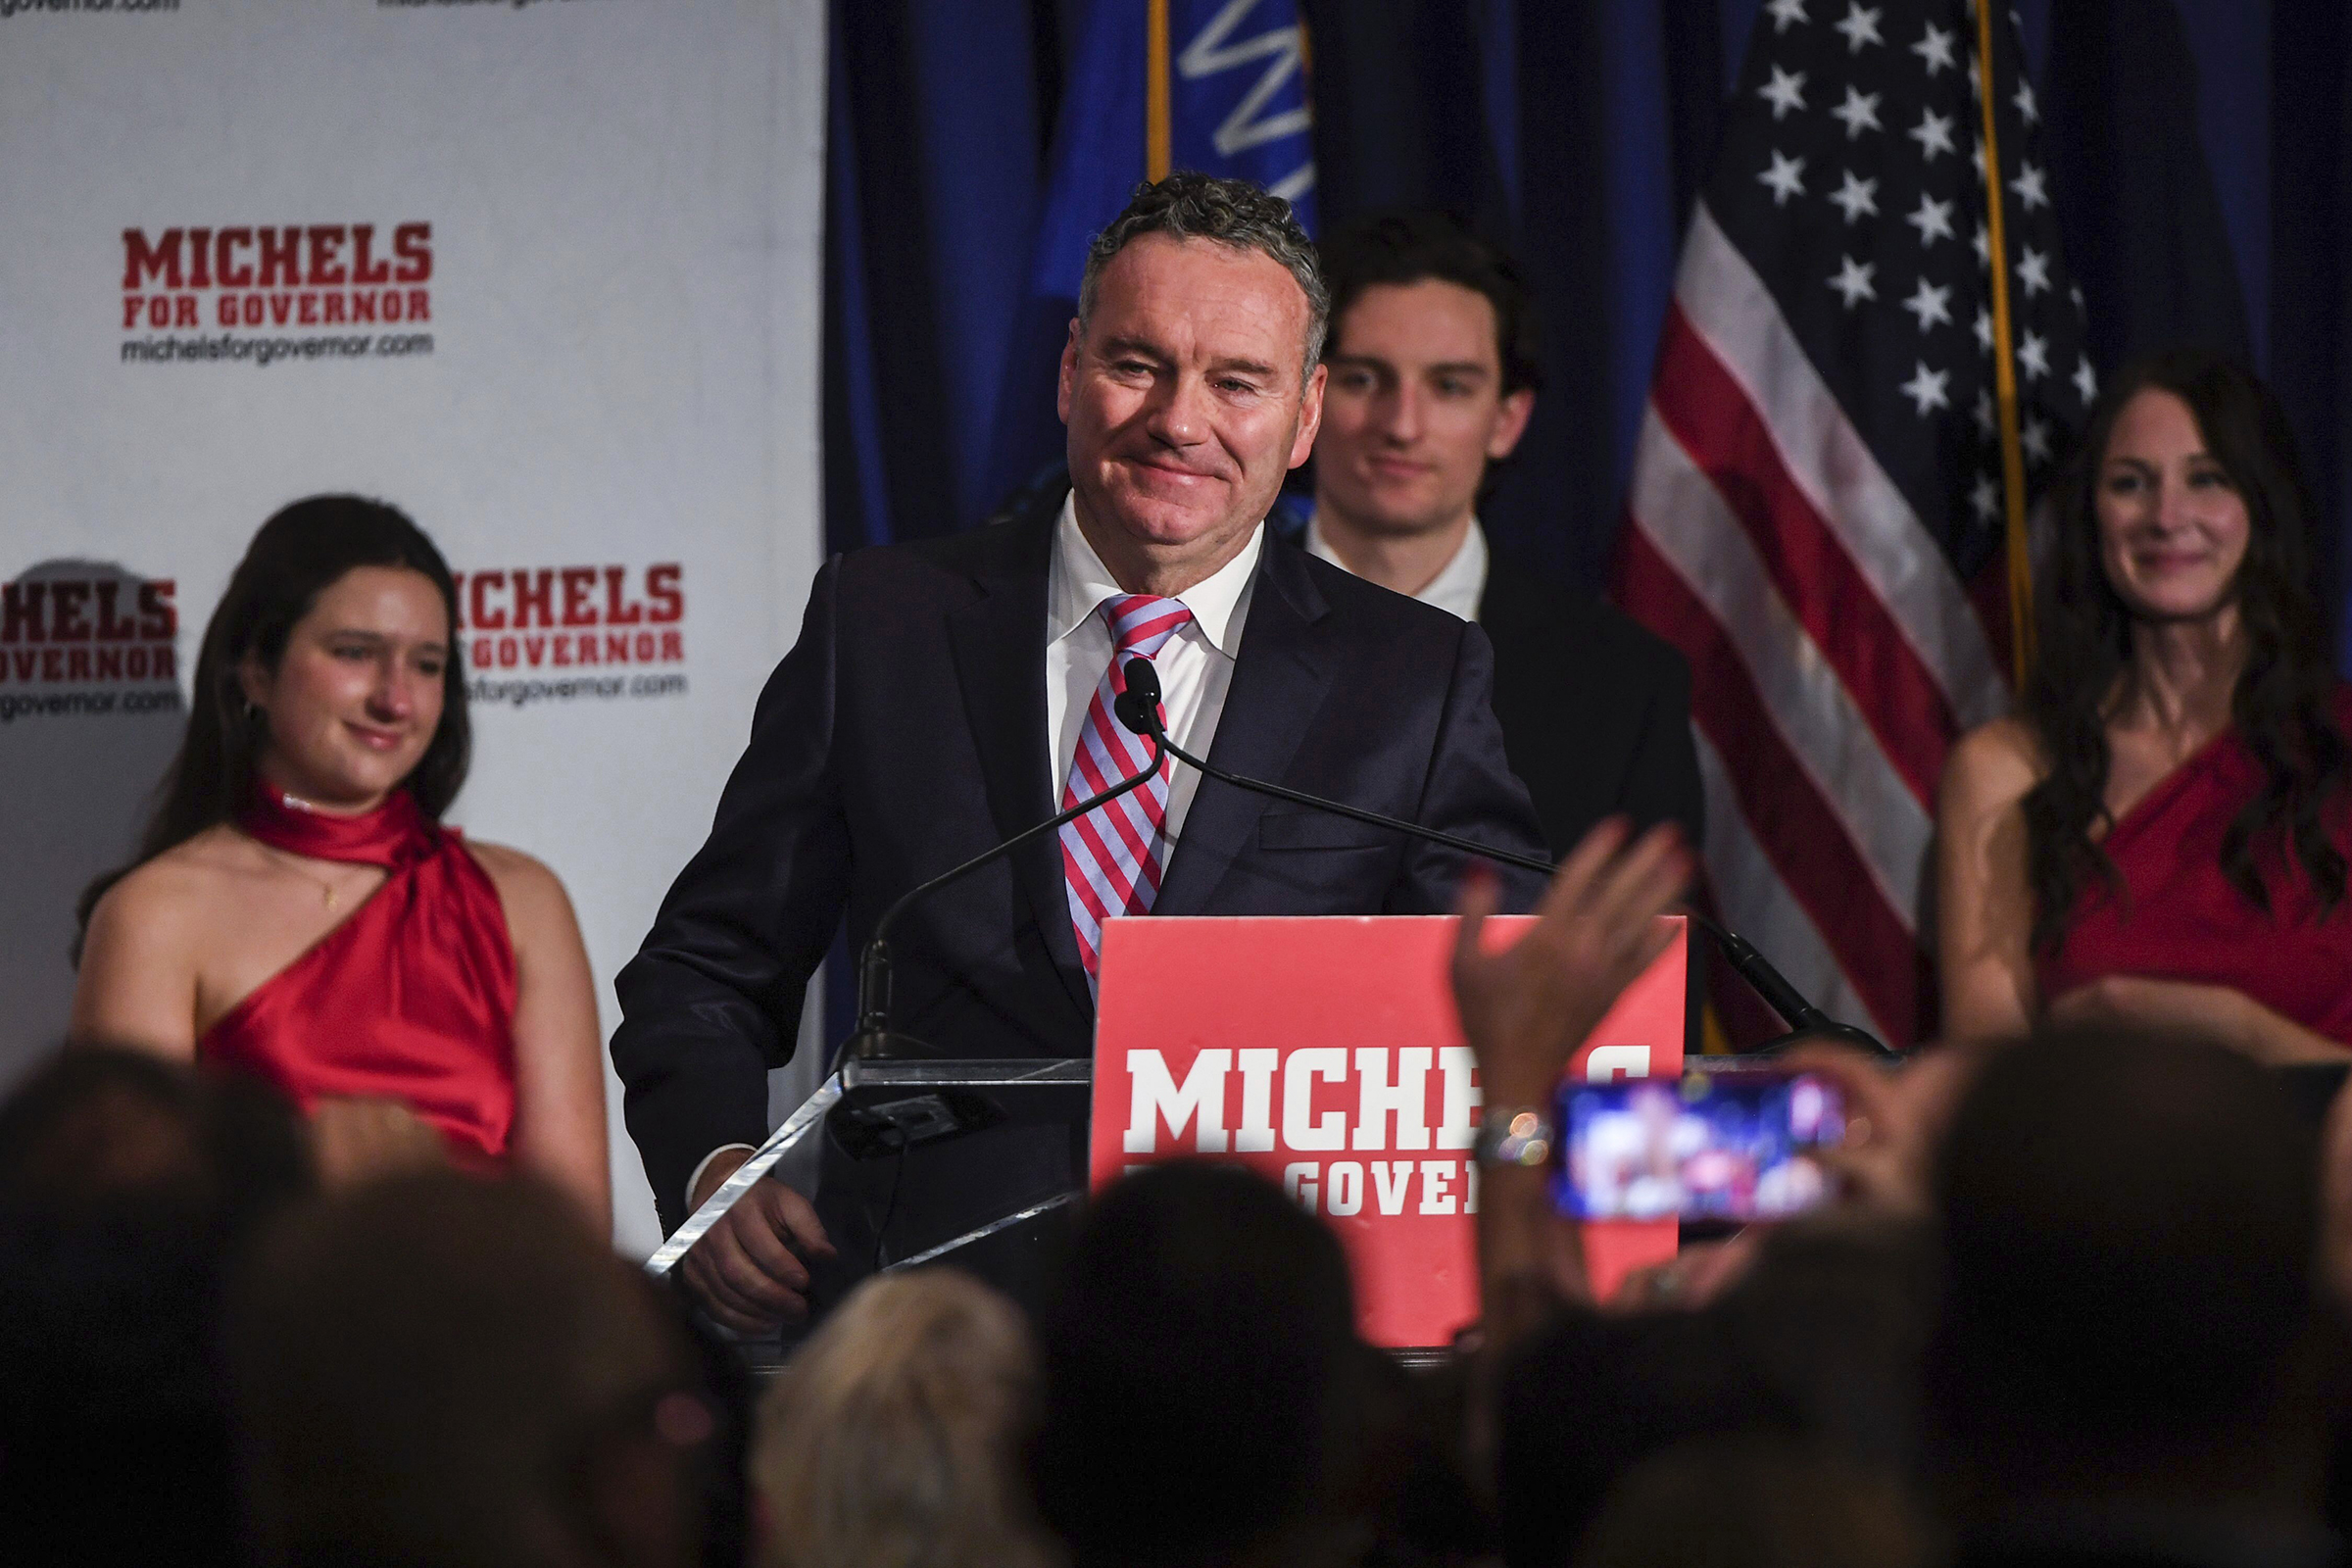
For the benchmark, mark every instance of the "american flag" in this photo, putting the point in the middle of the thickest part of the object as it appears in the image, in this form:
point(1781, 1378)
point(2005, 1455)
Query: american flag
point(1820, 504)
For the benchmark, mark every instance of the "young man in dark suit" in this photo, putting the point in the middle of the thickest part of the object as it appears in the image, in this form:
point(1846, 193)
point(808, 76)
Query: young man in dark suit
point(1432, 377)
point(948, 694)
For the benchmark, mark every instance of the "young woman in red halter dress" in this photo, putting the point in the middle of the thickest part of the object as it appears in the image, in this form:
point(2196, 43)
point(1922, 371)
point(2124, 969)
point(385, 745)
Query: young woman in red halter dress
point(2160, 836)
point(298, 910)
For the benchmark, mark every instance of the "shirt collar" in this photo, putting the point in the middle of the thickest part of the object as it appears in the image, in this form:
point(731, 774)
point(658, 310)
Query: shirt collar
point(1078, 583)
point(1456, 588)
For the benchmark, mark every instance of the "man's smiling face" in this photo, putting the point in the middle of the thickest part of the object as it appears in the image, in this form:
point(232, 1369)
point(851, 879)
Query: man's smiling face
point(1186, 400)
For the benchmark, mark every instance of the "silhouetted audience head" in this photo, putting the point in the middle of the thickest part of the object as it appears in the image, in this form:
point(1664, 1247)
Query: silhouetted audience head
point(893, 1439)
point(1754, 1503)
point(438, 1370)
point(1199, 1379)
point(2116, 1317)
point(2131, 1225)
point(126, 1186)
point(1819, 1343)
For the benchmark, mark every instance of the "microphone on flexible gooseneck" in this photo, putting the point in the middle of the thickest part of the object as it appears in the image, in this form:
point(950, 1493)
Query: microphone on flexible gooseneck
point(1804, 1020)
point(1138, 708)
point(874, 1040)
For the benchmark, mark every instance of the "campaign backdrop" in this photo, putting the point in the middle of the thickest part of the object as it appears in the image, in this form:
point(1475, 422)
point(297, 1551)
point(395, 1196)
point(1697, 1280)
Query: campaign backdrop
point(544, 274)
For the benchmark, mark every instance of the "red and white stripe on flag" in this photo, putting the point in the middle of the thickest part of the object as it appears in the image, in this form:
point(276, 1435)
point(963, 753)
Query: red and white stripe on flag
point(1835, 654)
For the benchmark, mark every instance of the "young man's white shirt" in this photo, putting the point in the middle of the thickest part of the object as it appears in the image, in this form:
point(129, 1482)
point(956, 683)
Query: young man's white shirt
point(1456, 589)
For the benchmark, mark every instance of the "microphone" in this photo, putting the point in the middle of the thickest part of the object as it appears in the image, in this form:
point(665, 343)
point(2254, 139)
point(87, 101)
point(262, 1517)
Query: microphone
point(874, 1040)
point(1138, 709)
point(1804, 1020)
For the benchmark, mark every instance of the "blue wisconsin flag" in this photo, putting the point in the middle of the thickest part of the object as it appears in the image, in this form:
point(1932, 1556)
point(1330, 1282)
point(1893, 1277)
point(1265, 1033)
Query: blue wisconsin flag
point(1157, 85)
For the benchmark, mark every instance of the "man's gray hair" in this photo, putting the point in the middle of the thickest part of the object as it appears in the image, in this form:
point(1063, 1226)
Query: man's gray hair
point(1189, 205)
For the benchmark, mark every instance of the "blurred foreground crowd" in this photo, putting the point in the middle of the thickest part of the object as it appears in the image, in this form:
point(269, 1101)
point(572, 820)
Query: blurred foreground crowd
point(2082, 1300)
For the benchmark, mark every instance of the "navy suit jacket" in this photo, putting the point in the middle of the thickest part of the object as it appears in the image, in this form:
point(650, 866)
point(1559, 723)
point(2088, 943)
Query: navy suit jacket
point(905, 732)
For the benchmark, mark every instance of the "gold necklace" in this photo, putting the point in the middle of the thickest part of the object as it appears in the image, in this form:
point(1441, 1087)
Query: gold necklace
point(293, 864)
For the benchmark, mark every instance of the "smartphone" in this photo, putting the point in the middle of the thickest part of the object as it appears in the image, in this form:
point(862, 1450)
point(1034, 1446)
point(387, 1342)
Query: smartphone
point(1716, 1149)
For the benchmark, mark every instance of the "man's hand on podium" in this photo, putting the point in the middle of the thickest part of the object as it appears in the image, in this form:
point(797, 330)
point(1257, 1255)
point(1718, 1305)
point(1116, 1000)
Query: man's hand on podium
point(747, 1271)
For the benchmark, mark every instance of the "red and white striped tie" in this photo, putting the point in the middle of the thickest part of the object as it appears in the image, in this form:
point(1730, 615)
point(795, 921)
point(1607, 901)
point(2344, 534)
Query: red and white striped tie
point(1111, 857)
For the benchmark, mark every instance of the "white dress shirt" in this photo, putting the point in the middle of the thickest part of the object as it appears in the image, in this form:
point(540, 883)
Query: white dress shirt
point(1195, 665)
point(1456, 589)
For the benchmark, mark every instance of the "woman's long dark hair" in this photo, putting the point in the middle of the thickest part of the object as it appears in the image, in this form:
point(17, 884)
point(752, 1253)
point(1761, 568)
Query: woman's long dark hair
point(2283, 704)
point(301, 552)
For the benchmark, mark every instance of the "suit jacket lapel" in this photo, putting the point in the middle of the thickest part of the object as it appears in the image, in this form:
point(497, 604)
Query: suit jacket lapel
point(999, 642)
point(1278, 683)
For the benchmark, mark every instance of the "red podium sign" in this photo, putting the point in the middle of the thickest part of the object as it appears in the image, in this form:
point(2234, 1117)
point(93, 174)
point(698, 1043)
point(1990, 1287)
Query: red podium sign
point(1326, 1054)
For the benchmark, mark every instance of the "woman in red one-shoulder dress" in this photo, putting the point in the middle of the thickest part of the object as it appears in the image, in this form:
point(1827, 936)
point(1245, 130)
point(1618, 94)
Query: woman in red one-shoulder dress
point(297, 910)
point(2160, 835)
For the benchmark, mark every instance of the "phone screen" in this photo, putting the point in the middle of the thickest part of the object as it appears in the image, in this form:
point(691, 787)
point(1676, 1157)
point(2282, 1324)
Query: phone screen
point(1725, 1147)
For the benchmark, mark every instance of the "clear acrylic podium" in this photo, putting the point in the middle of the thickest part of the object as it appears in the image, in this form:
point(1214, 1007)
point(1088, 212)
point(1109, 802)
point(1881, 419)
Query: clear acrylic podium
point(878, 1107)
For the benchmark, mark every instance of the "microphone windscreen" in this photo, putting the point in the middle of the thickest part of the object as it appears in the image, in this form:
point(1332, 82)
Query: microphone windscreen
point(1142, 681)
point(1137, 707)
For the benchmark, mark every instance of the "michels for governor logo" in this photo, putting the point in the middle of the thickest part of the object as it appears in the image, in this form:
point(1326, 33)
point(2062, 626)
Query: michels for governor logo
point(264, 292)
point(81, 639)
point(556, 633)
point(84, 640)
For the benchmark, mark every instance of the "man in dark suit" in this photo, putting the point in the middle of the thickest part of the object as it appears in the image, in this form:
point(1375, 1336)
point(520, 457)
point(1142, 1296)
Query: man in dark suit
point(944, 696)
point(1432, 377)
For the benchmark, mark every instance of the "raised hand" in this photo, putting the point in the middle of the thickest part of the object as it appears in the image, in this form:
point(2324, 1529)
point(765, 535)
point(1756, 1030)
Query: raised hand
point(1526, 1008)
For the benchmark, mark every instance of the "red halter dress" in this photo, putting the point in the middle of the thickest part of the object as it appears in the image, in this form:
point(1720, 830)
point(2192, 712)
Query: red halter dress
point(2180, 918)
point(411, 999)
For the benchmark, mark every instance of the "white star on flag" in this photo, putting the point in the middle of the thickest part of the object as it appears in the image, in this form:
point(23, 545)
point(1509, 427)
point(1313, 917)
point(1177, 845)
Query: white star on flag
point(1784, 12)
point(1926, 388)
point(1934, 49)
point(1983, 413)
point(1785, 91)
point(2033, 272)
point(1984, 244)
point(1930, 303)
point(1934, 220)
point(2037, 440)
point(2026, 106)
point(1859, 112)
point(1976, 78)
point(1986, 498)
point(2086, 379)
point(1933, 133)
point(1856, 197)
point(1977, 156)
point(2029, 188)
point(1786, 176)
point(1985, 328)
point(2034, 357)
point(1854, 281)
point(1860, 26)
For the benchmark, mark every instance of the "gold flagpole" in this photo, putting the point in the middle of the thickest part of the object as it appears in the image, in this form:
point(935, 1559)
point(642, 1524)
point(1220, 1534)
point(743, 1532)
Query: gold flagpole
point(1157, 137)
point(2004, 369)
